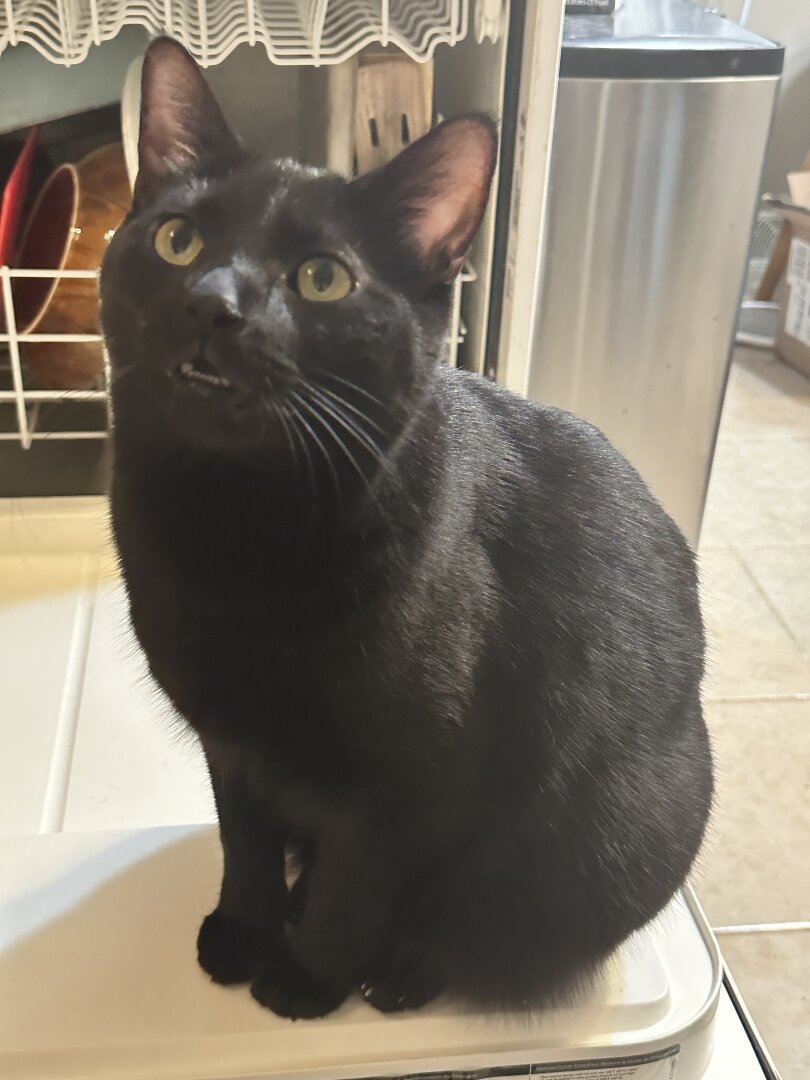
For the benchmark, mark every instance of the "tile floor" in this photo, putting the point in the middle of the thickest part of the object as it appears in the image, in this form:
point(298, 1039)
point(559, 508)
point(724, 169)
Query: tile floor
point(95, 750)
point(754, 880)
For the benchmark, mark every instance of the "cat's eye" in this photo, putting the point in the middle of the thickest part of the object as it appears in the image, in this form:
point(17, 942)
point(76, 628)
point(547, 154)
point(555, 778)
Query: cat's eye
point(323, 280)
point(178, 241)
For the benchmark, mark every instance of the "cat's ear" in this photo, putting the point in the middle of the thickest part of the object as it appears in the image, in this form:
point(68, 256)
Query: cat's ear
point(182, 125)
point(437, 189)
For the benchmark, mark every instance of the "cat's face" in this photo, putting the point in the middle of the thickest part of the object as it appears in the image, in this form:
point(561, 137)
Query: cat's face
point(250, 304)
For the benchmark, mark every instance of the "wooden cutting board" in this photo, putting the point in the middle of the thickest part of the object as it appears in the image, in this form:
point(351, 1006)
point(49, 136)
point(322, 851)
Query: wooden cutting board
point(394, 106)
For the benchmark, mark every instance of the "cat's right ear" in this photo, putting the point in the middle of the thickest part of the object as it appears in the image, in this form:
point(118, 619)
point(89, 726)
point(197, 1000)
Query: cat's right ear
point(182, 125)
point(434, 194)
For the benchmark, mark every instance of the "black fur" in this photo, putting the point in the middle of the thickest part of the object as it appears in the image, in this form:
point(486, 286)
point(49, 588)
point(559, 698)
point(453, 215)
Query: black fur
point(453, 663)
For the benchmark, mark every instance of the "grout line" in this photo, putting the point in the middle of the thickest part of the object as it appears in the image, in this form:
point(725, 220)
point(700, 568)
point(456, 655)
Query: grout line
point(798, 695)
point(707, 547)
point(764, 928)
point(799, 435)
point(763, 437)
point(766, 597)
point(56, 790)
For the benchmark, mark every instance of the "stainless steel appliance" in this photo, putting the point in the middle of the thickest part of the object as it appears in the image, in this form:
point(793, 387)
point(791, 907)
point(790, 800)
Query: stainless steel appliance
point(663, 113)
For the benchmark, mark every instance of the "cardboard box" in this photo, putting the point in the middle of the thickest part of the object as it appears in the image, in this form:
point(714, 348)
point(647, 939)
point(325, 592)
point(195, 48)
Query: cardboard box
point(793, 339)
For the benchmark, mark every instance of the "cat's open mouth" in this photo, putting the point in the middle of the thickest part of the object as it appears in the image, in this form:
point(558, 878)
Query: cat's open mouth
point(199, 372)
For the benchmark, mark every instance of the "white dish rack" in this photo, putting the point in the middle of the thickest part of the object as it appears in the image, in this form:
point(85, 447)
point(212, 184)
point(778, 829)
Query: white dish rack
point(26, 401)
point(310, 32)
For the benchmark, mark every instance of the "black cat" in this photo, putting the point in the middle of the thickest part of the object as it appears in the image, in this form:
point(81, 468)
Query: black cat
point(438, 640)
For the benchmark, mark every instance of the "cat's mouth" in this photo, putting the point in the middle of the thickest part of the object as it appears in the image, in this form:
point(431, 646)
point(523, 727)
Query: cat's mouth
point(201, 374)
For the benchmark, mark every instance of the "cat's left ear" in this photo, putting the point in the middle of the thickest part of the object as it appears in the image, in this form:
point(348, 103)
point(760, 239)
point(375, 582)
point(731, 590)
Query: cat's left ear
point(435, 192)
point(182, 125)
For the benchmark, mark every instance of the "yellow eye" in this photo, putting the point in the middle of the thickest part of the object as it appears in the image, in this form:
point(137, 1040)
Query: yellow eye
point(178, 241)
point(323, 280)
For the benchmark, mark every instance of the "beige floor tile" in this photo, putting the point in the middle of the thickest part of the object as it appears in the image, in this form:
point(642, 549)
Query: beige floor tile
point(29, 577)
point(754, 868)
point(759, 492)
point(750, 650)
point(39, 597)
point(783, 574)
point(56, 526)
point(771, 973)
point(764, 397)
point(132, 766)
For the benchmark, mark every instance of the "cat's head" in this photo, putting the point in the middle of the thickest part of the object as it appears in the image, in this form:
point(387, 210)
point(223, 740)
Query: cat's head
point(252, 304)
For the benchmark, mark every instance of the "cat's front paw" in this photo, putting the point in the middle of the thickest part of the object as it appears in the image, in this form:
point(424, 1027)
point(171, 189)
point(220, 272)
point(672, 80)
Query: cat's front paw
point(287, 988)
point(395, 994)
point(228, 950)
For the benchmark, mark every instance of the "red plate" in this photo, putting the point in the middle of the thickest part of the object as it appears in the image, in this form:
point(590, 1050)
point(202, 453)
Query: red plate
point(12, 201)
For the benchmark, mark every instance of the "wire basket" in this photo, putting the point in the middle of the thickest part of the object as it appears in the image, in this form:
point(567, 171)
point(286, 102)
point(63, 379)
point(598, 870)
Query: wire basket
point(27, 402)
point(309, 32)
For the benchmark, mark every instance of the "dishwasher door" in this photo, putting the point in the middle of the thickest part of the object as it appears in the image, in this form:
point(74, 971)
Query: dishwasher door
point(663, 114)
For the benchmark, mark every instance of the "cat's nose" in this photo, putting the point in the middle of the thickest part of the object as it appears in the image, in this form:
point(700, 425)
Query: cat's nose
point(214, 299)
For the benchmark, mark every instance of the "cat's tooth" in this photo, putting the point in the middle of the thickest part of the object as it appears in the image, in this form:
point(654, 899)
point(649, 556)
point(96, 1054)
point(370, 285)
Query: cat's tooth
point(187, 368)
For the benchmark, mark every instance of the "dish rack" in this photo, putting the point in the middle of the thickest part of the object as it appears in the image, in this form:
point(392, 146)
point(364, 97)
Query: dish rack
point(26, 403)
point(311, 32)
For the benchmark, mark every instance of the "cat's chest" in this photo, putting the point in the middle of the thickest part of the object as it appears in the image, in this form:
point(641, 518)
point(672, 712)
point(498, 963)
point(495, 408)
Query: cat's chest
point(231, 659)
point(359, 682)
point(222, 654)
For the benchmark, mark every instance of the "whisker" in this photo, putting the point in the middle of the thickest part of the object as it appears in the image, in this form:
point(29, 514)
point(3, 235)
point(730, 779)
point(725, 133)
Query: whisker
point(330, 464)
point(349, 425)
point(341, 444)
point(311, 486)
point(325, 423)
point(358, 389)
point(305, 447)
point(338, 399)
point(279, 412)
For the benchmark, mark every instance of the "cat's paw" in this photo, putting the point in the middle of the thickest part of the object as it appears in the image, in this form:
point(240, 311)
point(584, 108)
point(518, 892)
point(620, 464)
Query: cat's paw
point(284, 986)
point(395, 994)
point(228, 950)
